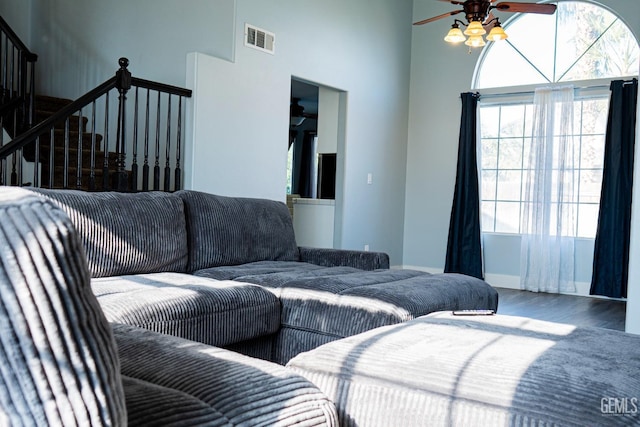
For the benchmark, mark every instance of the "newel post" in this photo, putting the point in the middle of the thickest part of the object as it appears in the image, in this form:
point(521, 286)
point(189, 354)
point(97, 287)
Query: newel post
point(123, 84)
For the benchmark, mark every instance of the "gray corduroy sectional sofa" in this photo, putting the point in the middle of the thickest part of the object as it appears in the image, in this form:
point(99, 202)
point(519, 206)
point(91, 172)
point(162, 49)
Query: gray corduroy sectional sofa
point(71, 358)
point(63, 364)
point(226, 271)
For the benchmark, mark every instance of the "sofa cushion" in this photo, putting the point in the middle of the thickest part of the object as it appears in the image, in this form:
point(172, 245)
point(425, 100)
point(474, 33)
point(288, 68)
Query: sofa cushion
point(220, 385)
point(327, 257)
point(235, 230)
point(200, 309)
point(127, 233)
point(58, 361)
point(327, 303)
point(273, 275)
point(149, 404)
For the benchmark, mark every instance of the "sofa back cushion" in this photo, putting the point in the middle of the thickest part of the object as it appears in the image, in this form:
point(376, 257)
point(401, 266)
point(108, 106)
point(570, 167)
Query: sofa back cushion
point(127, 233)
point(59, 363)
point(235, 230)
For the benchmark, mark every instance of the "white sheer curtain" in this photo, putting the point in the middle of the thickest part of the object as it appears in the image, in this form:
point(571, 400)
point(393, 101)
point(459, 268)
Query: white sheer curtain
point(549, 211)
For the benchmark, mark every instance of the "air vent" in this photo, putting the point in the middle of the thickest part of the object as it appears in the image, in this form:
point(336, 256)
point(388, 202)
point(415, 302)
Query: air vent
point(258, 38)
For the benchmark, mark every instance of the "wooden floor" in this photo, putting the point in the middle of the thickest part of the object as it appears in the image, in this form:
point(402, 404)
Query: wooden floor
point(575, 310)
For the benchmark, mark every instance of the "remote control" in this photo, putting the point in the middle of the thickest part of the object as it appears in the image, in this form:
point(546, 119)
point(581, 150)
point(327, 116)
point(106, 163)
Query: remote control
point(473, 312)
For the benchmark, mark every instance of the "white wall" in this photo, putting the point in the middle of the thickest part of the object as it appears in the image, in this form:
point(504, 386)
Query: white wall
point(82, 40)
point(439, 73)
point(361, 47)
point(18, 13)
point(328, 113)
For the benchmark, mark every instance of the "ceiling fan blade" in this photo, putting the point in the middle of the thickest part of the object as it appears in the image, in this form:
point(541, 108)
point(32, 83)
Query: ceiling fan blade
point(546, 9)
point(435, 18)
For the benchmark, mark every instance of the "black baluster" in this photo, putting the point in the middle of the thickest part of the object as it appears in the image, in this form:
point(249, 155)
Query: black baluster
point(123, 84)
point(134, 153)
point(14, 174)
point(32, 89)
point(167, 167)
point(22, 89)
point(5, 72)
point(177, 182)
point(156, 167)
point(52, 146)
point(105, 146)
point(11, 60)
point(65, 168)
point(36, 164)
point(79, 153)
point(92, 160)
point(145, 166)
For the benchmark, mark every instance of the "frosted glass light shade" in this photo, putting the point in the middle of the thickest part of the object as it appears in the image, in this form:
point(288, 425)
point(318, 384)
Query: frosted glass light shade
point(475, 41)
point(496, 33)
point(475, 28)
point(455, 35)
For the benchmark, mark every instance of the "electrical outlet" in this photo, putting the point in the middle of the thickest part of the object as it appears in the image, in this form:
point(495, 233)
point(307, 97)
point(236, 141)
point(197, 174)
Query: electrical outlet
point(369, 178)
point(366, 248)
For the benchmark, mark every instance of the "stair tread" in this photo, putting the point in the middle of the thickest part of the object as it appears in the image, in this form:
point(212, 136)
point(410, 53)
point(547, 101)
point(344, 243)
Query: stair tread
point(44, 114)
point(41, 100)
point(59, 138)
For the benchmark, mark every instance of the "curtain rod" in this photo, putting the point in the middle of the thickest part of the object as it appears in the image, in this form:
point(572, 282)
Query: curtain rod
point(532, 92)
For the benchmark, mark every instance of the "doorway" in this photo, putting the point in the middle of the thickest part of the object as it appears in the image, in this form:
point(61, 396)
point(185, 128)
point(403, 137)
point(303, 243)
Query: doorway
point(315, 164)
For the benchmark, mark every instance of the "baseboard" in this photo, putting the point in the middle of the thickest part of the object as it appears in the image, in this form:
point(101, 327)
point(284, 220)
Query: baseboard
point(512, 282)
point(415, 267)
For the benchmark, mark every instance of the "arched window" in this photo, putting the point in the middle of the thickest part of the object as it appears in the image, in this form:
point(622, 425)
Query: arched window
point(583, 44)
point(581, 41)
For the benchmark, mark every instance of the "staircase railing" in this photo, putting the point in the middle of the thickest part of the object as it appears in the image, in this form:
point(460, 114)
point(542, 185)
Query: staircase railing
point(17, 83)
point(73, 148)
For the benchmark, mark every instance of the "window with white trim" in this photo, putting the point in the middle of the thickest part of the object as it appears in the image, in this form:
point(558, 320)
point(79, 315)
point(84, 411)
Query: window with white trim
point(506, 137)
point(581, 43)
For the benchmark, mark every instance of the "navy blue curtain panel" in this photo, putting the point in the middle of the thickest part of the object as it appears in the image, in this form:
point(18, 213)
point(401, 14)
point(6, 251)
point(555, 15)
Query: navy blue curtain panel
point(464, 252)
point(611, 254)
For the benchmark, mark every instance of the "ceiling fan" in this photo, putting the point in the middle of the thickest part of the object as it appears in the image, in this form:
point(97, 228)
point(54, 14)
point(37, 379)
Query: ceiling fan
point(480, 19)
point(297, 114)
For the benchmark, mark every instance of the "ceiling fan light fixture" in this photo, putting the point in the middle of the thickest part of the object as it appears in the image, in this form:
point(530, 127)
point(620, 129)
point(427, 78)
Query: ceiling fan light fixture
point(475, 28)
point(479, 18)
point(475, 41)
point(497, 33)
point(455, 34)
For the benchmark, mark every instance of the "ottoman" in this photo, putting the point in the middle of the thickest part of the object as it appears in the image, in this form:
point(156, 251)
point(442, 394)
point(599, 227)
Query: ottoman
point(322, 304)
point(448, 370)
